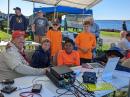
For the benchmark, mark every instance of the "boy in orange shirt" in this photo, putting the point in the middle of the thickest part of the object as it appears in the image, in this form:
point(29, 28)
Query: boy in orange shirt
point(55, 37)
point(85, 42)
point(68, 56)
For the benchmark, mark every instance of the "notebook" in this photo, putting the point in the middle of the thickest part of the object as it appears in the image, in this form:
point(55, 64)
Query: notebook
point(109, 69)
point(99, 86)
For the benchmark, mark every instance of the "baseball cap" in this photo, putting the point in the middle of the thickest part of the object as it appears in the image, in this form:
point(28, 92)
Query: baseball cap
point(18, 34)
point(17, 8)
point(117, 51)
point(40, 11)
point(55, 21)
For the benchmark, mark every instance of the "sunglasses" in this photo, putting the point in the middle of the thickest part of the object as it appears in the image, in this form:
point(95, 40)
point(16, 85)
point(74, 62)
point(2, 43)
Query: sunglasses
point(55, 24)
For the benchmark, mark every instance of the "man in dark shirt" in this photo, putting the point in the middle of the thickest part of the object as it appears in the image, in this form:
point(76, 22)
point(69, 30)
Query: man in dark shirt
point(18, 21)
point(124, 27)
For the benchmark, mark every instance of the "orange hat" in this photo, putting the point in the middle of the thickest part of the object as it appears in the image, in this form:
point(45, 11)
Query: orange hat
point(18, 34)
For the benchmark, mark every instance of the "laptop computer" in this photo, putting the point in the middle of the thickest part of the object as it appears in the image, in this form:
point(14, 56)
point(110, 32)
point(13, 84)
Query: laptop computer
point(109, 69)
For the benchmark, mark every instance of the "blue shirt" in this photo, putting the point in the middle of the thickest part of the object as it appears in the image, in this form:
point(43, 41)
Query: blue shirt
point(18, 23)
point(40, 58)
point(95, 30)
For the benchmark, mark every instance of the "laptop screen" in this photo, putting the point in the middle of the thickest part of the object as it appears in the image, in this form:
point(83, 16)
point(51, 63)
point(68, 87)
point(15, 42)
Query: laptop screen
point(110, 67)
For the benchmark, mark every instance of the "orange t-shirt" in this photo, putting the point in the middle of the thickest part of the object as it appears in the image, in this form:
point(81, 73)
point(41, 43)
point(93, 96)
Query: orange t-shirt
point(68, 59)
point(56, 41)
point(86, 40)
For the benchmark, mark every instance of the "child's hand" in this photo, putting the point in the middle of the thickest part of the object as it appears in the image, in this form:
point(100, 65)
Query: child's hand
point(8, 45)
point(87, 65)
point(84, 50)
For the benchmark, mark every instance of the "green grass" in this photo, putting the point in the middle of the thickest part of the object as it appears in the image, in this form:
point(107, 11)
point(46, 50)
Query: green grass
point(4, 36)
point(105, 47)
point(110, 34)
point(103, 33)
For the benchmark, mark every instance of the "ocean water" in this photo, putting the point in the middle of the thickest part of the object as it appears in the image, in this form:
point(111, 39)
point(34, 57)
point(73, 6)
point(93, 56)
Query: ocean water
point(112, 24)
point(103, 24)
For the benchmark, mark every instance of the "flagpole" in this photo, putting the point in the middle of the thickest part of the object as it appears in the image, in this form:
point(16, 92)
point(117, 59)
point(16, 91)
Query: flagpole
point(8, 16)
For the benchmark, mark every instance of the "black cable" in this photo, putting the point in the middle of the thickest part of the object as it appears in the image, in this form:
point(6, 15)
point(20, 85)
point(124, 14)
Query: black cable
point(83, 85)
point(63, 92)
point(79, 91)
point(86, 91)
point(84, 88)
point(76, 92)
point(72, 92)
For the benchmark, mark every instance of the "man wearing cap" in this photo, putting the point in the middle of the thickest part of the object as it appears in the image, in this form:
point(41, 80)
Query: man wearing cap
point(18, 21)
point(112, 52)
point(123, 65)
point(125, 42)
point(40, 26)
point(16, 63)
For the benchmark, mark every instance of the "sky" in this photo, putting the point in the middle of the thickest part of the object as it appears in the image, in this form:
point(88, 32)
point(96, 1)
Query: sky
point(105, 10)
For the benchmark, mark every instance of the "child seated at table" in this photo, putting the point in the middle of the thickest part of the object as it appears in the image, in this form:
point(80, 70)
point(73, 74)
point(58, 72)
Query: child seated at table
point(68, 56)
point(41, 57)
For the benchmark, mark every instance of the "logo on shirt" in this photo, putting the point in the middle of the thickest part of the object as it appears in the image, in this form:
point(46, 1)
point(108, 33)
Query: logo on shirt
point(18, 19)
point(41, 22)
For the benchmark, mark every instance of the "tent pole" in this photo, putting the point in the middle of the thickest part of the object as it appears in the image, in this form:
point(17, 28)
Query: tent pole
point(55, 8)
point(55, 12)
point(33, 5)
point(8, 16)
point(57, 15)
point(83, 16)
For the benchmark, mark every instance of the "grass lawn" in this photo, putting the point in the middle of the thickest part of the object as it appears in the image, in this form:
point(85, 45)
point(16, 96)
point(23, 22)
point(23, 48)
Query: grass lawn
point(4, 36)
point(105, 47)
point(110, 34)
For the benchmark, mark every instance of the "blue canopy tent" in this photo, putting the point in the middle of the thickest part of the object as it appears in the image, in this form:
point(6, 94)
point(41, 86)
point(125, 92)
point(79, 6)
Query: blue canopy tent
point(64, 9)
point(71, 3)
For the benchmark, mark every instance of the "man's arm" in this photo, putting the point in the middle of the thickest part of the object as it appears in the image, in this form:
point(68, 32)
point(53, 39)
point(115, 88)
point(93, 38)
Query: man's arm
point(33, 27)
point(27, 70)
point(16, 62)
